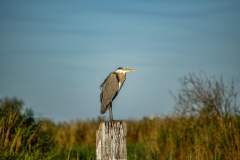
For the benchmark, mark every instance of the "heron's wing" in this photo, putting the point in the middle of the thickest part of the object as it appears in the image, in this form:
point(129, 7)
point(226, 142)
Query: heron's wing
point(109, 91)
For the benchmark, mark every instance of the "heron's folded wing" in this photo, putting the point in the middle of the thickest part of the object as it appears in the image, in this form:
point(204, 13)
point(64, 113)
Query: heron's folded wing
point(109, 91)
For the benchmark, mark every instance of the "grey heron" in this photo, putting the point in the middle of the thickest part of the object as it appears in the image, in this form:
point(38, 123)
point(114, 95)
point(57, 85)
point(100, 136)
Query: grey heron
point(111, 87)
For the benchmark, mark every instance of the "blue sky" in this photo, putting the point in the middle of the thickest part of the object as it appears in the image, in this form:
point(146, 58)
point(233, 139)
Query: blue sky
point(55, 54)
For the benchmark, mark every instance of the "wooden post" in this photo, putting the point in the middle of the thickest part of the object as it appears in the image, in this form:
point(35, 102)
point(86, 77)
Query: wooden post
point(111, 141)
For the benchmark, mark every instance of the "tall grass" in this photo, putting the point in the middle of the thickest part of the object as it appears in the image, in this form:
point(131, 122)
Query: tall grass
point(206, 125)
point(170, 137)
point(21, 135)
point(162, 138)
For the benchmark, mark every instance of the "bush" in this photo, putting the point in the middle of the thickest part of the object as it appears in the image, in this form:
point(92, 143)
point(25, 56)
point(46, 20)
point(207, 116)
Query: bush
point(203, 96)
point(21, 133)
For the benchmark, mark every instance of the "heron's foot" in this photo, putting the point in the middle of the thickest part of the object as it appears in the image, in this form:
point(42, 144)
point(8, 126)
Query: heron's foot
point(112, 120)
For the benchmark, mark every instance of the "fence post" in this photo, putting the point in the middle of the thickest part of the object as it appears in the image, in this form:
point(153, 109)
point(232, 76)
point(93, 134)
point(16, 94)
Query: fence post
point(111, 141)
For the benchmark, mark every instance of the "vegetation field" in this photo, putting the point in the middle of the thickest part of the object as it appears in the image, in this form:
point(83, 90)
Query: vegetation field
point(204, 125)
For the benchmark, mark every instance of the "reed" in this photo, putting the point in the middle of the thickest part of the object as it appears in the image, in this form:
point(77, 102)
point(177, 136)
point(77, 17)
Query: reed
point(204, 125)
point(169, 137)
point(162, 138)
point(21, 134)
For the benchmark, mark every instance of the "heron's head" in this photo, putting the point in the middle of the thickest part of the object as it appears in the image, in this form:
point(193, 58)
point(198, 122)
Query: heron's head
point(124, 70)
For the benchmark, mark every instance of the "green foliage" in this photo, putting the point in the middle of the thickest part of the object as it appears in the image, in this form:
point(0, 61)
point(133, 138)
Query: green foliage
point(21, 134)
point(205, 125)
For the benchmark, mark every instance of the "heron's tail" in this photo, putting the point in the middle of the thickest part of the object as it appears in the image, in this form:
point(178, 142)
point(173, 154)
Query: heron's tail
point(103, 109)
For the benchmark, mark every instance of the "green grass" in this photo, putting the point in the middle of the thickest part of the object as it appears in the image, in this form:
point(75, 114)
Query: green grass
point(22, 136)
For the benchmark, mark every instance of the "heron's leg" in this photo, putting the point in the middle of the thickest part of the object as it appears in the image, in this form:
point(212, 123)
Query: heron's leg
point(110, 112)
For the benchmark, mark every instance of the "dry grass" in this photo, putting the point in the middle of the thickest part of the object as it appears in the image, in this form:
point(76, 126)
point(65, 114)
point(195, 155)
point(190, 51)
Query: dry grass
point(206, 126)
point(164, 138)
point(20, 134)
point(172, 137)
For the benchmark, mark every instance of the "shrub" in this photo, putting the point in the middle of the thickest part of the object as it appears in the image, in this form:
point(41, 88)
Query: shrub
point(20, 132)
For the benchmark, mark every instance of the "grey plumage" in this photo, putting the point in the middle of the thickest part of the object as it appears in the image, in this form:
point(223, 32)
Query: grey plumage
point(111, 87)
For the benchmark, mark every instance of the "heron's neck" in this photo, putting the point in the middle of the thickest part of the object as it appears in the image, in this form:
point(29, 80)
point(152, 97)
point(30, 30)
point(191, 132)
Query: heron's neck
point(121, 79)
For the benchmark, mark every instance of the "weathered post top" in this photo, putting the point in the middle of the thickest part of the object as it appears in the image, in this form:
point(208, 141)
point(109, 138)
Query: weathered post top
point(111, 141)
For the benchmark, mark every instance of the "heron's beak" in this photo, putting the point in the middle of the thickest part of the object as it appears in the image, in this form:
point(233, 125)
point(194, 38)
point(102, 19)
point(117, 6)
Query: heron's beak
point(130, 70)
